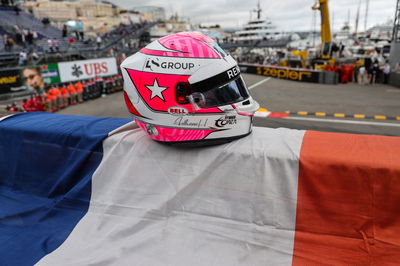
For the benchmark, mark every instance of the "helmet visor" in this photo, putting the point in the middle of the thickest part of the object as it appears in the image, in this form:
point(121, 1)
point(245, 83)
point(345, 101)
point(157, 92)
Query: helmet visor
point(231, 92)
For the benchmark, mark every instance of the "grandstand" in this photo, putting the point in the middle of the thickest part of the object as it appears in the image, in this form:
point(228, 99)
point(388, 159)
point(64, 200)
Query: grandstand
point(9, 18)
point(117, 40)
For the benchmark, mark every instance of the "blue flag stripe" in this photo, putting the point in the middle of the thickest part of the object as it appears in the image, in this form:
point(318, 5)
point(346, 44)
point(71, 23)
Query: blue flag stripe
point(46, 165)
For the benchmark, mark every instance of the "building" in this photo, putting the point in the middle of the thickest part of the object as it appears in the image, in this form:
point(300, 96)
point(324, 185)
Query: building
point(96, 16)
point(170, 26)
point(151, 13)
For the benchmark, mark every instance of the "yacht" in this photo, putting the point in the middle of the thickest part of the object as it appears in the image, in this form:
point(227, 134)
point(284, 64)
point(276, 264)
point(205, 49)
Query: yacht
point(259, 29)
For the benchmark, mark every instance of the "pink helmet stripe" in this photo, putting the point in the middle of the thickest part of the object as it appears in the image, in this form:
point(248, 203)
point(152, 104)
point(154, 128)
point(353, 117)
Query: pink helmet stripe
point(200, 50)
point(189, 46)
point(186, 45)
point(176, 134)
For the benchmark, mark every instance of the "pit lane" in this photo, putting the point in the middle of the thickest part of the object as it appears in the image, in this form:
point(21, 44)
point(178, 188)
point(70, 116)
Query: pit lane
point(281, 96)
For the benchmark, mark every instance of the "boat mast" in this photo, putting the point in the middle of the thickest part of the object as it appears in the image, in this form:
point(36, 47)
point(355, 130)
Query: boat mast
point(258, 10)
point(357, 17)
point(366, 16)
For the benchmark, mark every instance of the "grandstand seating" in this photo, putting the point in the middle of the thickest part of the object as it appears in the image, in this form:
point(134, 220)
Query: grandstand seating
point(25, 20)
point(114, 39)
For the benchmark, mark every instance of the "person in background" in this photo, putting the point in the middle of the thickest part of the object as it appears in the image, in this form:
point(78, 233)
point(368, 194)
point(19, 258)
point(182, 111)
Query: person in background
point(29, 38)
point(79, 91)
point(25, 105)
point(65, 95)
point(38, 102)
point(56, 93)
point(50, 45)
point(357, 66)
point(362, 72)
point(4, 39)
point(80, 30)
point(33, 56)
point(35, 35)
point(49, 103)
point(56, 45)
point(24, 34)
point(22, 58)
point(64, 31)
point(386, 72)
point(9, 44)
point(46, 22)
point(13, 108)
point(374, 72)
point(86, 90)
point(72, 93)
point(98, 41)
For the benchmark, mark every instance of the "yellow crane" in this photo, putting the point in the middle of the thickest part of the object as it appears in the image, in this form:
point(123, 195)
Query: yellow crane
point(326, 36)
point(326, 41)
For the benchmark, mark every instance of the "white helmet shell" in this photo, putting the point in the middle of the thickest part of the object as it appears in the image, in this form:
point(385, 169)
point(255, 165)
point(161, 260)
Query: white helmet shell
point(185, 88)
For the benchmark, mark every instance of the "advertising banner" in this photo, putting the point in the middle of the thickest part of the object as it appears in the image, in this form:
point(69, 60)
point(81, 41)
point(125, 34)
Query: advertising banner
point(304, 75)
point(50, 73)
point(10, 80)
point(86, 69)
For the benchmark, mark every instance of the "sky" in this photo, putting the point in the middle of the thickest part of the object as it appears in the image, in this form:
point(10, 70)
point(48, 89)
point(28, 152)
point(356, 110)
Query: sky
point(288, 15)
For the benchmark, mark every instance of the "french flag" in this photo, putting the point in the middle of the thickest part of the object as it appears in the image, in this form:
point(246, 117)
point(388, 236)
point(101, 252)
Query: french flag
point(80, 190)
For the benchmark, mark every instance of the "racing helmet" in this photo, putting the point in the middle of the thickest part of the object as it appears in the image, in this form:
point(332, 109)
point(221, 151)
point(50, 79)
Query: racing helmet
point(184, 88)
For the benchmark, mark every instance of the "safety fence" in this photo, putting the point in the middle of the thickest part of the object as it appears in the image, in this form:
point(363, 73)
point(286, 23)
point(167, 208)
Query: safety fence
point(88, 190)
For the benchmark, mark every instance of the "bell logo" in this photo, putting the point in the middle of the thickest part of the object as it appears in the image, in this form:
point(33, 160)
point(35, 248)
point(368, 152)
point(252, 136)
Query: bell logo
point(177, 110)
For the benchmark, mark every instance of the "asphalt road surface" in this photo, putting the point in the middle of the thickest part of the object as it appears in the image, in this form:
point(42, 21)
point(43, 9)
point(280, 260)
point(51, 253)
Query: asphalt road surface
point(282, 95)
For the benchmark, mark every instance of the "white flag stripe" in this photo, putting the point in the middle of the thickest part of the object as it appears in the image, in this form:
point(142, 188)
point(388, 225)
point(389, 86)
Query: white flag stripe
point(151, 204)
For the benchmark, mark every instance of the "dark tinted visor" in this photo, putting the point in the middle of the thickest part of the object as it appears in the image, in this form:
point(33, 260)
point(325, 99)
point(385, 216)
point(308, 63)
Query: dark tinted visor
point(231, 92)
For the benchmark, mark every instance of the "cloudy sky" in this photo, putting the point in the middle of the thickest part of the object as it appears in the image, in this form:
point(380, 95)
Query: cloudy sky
point(287, 14)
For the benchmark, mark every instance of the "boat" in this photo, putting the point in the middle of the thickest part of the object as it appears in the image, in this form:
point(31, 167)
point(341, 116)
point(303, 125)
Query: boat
point(260, 30)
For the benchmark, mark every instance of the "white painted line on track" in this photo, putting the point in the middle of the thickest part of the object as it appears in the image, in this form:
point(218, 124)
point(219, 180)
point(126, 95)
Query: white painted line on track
point(393, 90)
point(258, 83)
point(344, 121)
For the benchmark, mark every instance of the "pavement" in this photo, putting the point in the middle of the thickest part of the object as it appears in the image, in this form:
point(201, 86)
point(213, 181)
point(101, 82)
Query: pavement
point(309, 98)
point(350, 108)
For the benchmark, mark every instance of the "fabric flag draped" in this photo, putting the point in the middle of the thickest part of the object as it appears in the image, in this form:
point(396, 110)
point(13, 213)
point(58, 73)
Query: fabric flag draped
point(97, 191)
point(46, 165)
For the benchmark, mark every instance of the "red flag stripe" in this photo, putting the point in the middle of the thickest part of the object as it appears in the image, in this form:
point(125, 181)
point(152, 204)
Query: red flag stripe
point(348, 200)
